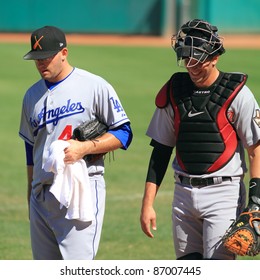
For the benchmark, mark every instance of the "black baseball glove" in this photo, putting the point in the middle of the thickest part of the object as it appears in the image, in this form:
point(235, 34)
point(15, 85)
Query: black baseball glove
point(90, 131)
point(243, 235)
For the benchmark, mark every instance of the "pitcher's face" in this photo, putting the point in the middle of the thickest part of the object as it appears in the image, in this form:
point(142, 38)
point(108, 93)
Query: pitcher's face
point(51, 68)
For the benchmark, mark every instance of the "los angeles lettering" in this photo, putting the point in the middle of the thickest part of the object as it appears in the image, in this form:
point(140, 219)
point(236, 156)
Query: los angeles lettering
point(54, 115)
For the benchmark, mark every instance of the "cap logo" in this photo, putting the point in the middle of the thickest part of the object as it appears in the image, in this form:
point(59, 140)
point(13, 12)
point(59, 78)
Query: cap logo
point(37, 43)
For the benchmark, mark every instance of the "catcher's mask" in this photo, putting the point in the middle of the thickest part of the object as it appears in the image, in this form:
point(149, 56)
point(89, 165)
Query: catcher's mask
point(197, 41)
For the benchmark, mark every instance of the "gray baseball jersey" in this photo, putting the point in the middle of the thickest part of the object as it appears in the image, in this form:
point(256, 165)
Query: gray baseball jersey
point(48, 115)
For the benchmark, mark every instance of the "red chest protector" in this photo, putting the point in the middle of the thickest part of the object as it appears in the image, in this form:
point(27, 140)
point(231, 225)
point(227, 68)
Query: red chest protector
point(205, 138)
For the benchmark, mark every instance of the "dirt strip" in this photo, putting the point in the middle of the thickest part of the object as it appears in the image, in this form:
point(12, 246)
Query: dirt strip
point(230, 40)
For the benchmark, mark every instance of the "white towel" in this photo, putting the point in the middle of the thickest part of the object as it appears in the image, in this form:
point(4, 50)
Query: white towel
point(71, 185)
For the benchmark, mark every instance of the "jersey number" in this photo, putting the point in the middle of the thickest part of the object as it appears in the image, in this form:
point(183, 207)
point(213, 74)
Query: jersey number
point(66, 133)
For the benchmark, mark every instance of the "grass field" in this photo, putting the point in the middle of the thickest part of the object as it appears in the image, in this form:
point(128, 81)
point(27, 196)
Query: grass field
point(137, 73)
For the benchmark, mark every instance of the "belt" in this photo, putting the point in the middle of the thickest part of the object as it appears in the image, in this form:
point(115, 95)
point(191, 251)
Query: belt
point(202, 182)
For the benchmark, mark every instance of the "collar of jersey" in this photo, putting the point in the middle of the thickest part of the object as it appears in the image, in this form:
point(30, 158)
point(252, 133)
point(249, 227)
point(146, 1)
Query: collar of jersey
point(53, 85)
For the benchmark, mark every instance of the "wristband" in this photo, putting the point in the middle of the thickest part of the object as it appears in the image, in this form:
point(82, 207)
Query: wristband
point(254, 190)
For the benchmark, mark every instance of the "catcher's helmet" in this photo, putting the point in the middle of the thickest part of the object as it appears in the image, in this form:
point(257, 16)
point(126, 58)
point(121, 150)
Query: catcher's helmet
point(197, 40)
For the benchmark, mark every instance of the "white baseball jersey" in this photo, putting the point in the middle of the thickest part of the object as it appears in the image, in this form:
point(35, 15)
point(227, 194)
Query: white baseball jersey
point(51, 114)
point(246, 121)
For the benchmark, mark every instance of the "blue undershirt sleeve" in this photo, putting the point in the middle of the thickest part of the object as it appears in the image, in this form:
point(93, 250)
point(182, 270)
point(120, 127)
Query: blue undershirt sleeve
point(124, 134)
point(29, 153)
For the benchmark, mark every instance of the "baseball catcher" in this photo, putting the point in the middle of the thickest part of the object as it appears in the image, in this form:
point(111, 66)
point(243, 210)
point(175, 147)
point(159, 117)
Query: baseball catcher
point(243, 235)
point(90, 131)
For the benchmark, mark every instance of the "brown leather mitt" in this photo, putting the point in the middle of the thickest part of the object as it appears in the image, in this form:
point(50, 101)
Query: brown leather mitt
point(243, 235)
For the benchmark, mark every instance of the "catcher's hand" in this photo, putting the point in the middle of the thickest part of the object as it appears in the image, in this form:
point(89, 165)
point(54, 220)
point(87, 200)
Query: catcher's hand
point(243, 235)
point(90, 131)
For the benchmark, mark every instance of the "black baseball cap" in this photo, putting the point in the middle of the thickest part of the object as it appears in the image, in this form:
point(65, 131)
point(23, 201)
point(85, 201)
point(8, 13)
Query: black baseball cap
point(46, 42)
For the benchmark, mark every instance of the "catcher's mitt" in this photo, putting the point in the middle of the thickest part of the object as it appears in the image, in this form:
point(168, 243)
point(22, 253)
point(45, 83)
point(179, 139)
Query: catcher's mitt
point(243, 237)
point(90, 131)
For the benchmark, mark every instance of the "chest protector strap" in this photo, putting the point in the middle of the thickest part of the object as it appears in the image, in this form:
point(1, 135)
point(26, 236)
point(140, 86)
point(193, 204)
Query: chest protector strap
point(205, 138)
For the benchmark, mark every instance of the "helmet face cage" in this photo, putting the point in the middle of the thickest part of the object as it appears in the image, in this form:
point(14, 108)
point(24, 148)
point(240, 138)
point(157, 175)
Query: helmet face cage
point(195, 42)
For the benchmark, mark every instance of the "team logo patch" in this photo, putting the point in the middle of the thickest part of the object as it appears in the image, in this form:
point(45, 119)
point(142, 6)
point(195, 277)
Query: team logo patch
point(231, 116)
point(257, 117)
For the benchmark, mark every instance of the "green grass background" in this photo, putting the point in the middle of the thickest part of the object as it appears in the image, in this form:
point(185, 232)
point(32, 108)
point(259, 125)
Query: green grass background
point(137, 73)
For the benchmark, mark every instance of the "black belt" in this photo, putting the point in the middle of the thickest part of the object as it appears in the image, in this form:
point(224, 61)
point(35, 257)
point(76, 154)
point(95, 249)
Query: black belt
point(202, 182)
